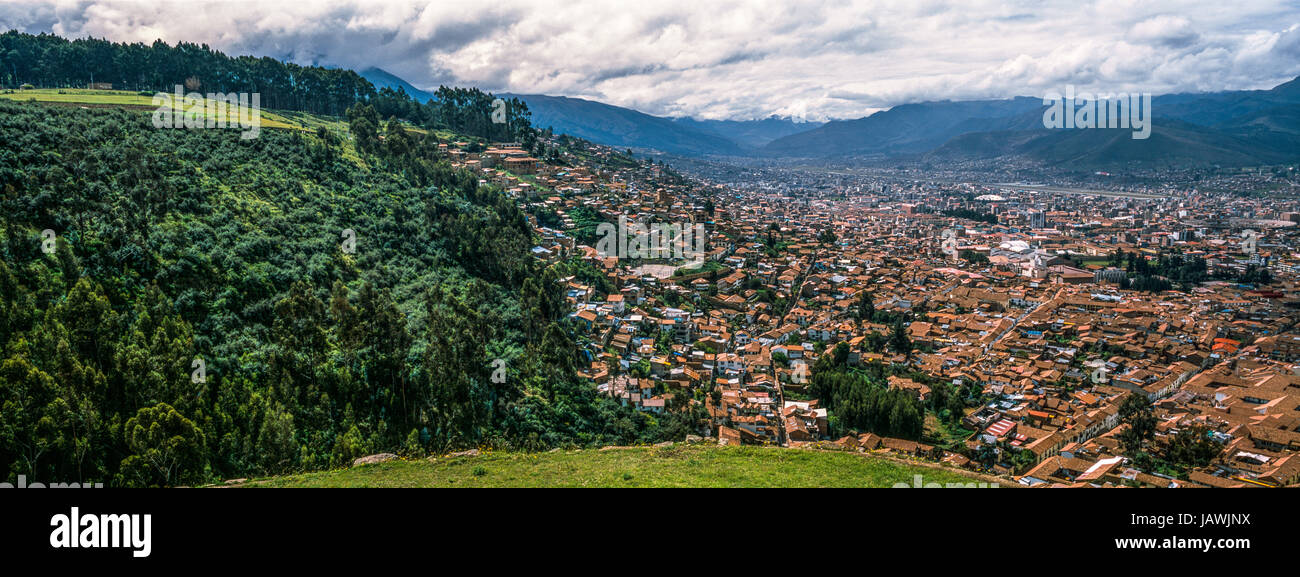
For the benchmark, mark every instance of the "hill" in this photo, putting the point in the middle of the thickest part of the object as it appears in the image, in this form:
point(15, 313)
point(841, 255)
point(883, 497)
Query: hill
point(626, 128)
point(1172, 144)
point(909, 128)
point(383, 79)
point(127, 99)
point(622, 127)
point(1232, 128)
point(751, 134)
point(285, 303)
point(677, 466)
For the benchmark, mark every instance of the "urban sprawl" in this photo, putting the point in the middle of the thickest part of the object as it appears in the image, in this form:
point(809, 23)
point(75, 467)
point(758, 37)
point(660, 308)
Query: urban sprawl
point(1141, 338)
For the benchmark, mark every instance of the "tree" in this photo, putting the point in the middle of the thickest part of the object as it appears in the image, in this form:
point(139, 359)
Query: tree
point(1192, 446)
point(899, 340)
point(166, 449)
point(827, 236)
point(363, 123)
point(1136, 412)
point(956, 408)
point(866, 308)
point(27, 423)
point(397, 140)
point(456, 367)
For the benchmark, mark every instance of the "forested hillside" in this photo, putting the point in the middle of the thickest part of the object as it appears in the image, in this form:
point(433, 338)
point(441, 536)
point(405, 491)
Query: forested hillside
point(185, 249)
point(50, 61)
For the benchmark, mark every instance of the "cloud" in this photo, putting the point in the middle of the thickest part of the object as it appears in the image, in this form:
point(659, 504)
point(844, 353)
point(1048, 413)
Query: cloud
point(1165, 30)
point(734, 58)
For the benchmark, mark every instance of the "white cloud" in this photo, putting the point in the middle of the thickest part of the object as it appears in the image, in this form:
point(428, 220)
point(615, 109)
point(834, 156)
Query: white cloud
point(735, 58)
point(1165, 29)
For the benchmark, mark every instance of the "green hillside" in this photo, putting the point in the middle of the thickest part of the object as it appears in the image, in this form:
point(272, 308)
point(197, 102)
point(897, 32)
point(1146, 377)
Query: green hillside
point(182, 306)
point(676, 466)
point(122, 99)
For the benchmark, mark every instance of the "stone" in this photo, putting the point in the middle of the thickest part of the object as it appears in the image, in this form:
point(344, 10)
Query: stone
point(374, 459)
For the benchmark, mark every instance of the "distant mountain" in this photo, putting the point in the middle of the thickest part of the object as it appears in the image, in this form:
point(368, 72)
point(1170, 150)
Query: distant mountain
point(751, 133)
point(616, 126)
point(1172, 144)
point(908, 128)
point(1223, 109)
point(622, 127)
point(1230, 128)
point(1221, 128)
point(383, 79)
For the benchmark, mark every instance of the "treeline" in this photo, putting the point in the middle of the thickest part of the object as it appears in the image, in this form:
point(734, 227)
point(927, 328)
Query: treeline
point(49, 61)
point(1170, 269)
point(467, 111)
point(971, 214)
point(211, 307)
point(862, 402)
point(1178, 268)
point(1188, 448)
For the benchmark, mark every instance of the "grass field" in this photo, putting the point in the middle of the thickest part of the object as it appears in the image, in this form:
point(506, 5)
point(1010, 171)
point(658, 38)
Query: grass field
point(79, 96)
point(126, 99)
point(678, 466)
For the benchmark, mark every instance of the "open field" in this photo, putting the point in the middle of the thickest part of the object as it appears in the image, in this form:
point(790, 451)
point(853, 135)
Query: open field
point(677, 466)
point(127, 99)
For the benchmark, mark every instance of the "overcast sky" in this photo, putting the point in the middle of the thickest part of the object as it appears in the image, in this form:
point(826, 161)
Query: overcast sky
point(734, 59)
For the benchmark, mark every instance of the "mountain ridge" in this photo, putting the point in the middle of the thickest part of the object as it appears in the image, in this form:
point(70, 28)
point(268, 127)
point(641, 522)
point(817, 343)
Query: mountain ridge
point(1233, 128)
point(384, 79)
point(622, 127)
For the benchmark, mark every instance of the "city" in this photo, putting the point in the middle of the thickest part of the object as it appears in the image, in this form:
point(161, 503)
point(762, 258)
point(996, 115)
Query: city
point(1019, 339)
point(524, 246)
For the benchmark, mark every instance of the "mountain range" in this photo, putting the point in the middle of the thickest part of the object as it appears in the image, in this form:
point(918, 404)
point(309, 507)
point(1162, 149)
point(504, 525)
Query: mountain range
point(1229, 128)
point(383, 79)
point(1233, 128)
point(624, 127)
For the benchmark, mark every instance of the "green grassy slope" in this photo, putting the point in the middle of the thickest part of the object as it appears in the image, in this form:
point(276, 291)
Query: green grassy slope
point(124, 99)
point(678, 466)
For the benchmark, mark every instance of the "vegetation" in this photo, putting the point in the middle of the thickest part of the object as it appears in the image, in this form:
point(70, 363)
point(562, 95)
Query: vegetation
point(678, 466)
point(1190, 447)
point(50, 61)
point(861, 401)
point(200, 313)
point(1136, 412)
point(866, 307)
point(971, 214)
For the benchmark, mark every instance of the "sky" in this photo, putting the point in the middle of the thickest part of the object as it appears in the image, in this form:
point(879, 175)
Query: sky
point(734, 59)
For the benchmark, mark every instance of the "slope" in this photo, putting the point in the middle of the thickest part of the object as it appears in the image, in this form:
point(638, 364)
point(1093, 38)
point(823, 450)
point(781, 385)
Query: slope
point(676, 466)
point(621, 127)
